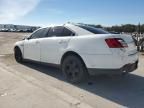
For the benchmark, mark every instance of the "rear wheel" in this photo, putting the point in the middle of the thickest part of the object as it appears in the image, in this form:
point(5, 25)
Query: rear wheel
point(125, 74)
point(74, 69)
point(18, 55)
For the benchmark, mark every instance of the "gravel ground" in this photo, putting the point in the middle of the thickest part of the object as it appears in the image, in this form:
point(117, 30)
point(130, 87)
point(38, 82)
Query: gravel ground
point(97, 92)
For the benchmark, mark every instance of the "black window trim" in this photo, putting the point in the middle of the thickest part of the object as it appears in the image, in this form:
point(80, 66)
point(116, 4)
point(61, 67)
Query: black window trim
point(46, 36)
point(49, 28)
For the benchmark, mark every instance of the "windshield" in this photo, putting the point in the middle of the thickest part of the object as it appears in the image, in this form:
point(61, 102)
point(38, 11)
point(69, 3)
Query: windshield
point(94, 30)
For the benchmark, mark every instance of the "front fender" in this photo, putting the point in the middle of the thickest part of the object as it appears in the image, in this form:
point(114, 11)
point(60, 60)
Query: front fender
point(20, 45)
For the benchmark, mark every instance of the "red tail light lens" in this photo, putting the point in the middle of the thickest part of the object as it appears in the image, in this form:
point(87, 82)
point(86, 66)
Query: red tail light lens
point(116, 43)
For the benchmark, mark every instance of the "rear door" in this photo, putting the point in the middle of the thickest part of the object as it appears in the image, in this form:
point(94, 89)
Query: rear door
point(52, 47)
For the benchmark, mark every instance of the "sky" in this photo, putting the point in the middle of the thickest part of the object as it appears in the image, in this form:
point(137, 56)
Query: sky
point(53, 12)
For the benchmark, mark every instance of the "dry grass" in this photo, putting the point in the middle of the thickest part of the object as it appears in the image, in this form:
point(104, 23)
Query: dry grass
point(7, 40)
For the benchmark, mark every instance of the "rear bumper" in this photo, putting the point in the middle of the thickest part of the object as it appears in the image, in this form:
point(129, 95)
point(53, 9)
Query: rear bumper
point(125, 69)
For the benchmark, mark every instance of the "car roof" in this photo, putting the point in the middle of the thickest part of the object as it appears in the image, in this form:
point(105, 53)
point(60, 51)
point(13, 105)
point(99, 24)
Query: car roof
point(78, 30)
point(73, 27)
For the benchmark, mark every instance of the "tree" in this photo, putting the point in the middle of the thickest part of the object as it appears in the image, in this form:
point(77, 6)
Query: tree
point(142, 28)
point(128, 28)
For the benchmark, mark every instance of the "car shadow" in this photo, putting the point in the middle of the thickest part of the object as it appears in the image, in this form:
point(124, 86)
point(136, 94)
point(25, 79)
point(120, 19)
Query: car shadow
point(127, 91)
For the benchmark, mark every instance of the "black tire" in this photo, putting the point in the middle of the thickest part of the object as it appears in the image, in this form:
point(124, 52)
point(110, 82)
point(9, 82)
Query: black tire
point(18, 55)
point(74, 69)
point(125, 74)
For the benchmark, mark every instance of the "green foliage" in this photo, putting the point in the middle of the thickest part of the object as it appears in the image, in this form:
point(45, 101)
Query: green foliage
point(142, 28)
point(129, 28)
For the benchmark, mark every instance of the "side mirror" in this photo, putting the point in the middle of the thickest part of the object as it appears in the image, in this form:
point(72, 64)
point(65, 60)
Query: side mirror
point(26, 38)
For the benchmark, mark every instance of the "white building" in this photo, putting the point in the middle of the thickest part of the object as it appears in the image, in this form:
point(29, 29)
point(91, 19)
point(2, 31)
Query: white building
point(11, 27)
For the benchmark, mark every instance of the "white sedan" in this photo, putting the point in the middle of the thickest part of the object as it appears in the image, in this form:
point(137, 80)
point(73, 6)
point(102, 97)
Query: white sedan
point(79, 50)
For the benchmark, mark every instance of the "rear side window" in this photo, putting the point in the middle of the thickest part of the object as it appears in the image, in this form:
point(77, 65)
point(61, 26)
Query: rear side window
point(67, 32)
point(94, 30)
point(60, 31)
point(40, 33)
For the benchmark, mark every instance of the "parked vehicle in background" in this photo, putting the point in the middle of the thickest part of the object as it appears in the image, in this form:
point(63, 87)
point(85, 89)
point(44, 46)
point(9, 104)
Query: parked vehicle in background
point(79, 50)
point(113, 32)
point(4, 30)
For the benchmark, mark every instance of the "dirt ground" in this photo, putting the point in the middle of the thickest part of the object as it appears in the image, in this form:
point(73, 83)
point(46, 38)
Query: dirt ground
point(97, 92)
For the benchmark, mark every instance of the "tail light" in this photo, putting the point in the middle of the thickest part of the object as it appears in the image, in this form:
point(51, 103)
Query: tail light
point(116, 43)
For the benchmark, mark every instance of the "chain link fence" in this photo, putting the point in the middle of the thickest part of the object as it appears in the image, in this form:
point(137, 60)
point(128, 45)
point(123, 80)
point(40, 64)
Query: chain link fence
point(139, 40)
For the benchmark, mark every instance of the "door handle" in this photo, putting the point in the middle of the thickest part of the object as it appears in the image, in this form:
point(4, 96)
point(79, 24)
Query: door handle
point(37, 42)
point(62, 41)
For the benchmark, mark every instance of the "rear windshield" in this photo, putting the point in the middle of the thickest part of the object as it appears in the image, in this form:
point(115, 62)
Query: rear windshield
point(94, 30)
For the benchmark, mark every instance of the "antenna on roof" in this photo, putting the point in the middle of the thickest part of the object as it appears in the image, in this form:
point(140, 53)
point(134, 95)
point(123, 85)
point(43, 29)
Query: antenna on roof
point(69, 22)
point(74, 23)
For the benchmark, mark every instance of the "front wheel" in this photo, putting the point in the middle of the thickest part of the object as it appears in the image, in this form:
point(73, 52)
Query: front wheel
point(74, 69)
point(18, 55)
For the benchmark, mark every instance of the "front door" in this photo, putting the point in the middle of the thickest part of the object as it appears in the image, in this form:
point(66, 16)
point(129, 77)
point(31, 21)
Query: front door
point(32, 45)
point(32, 49)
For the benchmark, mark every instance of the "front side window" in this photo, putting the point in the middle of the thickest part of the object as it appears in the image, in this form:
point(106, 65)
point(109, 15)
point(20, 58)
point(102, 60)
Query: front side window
point(40, 33)
point(94, 30)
